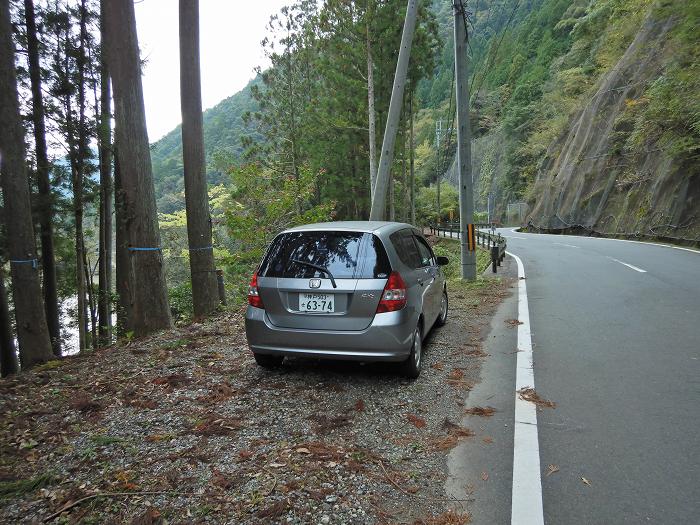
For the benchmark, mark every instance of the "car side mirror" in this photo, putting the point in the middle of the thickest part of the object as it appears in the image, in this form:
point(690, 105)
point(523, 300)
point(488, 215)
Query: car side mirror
point(442, 261)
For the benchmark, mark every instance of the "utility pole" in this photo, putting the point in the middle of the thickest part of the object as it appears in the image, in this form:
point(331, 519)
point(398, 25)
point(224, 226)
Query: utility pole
point(378, 210)
point(438, 132)
point(464, 148)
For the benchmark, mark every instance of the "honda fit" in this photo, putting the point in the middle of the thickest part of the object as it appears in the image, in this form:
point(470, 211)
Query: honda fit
point(365, 291)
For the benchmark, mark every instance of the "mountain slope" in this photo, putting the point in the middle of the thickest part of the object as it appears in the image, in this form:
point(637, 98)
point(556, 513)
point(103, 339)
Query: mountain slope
point(223, 130)
point(600, 175)
point(596, 118)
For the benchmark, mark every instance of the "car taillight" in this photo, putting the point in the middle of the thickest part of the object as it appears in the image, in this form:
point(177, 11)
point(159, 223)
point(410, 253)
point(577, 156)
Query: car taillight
point(254, 298)
point(394, 294)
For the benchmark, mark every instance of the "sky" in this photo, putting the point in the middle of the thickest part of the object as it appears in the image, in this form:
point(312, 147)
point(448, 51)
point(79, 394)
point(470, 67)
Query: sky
point(230, 35)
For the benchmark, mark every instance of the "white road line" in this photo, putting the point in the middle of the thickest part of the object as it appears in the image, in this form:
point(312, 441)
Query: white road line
point(692, 250)
point(526, 506)
point(564, 244)
point(636, 269)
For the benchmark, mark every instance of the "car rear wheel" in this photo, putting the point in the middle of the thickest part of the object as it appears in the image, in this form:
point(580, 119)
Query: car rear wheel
point(411, 366)
point(442, 316)
point(268, 361)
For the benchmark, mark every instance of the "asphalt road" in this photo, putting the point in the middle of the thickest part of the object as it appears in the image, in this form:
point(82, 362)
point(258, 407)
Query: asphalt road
point(616, 336)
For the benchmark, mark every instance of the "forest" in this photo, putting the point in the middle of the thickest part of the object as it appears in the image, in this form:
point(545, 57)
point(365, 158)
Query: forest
point(108, 236)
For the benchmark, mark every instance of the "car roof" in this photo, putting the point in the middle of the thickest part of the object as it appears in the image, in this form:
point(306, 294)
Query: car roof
point(377, 227)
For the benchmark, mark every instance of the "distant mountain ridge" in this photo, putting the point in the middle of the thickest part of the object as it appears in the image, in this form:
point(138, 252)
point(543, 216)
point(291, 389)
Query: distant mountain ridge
point(223, 130)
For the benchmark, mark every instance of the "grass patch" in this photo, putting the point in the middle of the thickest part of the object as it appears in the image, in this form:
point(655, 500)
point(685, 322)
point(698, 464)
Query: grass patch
point(49, 365)
point(450, 248)
point(9, 489)
point(102, 440)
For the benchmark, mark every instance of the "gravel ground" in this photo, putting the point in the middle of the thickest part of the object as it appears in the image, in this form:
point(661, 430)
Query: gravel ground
point(188, 429)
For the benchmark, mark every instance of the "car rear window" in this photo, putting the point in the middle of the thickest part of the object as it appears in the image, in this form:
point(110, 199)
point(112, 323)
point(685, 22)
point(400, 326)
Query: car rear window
point(347, 255)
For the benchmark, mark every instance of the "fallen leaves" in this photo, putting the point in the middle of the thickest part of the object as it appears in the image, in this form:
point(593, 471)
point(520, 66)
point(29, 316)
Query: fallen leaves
point(480, 411)
point(155, 438)
point(585, 481)
point(446, 518)
point(456, 430)
point(274, 510)
point(529, 394)
point(172, 381)
point(220, 392)
point(214, 425)
point(476, 352)
point(443, 444)
point(484, 476)
point(551, 469)
point(245, 454)
point(327, 423)
point(456, 375)
point(456, 379)
point(222, 480)
point(416, 421)
point(82, 402)
point(148, 517)
point(513, 322)
point(455, 433)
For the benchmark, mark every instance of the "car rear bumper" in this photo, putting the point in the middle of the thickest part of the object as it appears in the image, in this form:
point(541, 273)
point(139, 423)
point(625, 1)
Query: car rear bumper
point(388, 338)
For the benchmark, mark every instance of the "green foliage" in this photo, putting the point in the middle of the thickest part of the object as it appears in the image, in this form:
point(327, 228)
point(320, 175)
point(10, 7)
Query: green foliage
point(450, 248)
point(19, 487)
point(180, 300)
point(665, 110)
point(426, 204)
point(261, 205)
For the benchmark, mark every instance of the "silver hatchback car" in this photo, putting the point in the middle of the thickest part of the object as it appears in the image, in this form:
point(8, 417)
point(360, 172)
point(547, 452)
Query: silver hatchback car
point(365, 291)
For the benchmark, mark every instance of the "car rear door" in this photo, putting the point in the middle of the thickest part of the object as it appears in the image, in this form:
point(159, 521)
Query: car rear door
point(414, 276)
point(298, 293)
point(431, 276)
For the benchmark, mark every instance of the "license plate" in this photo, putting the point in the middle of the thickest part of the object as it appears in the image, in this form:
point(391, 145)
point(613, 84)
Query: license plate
point(316, 302)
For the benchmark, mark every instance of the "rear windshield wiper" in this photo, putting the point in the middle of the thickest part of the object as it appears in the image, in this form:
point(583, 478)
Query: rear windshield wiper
point(319, 268)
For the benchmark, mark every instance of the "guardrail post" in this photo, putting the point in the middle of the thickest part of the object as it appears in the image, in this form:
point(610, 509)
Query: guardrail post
point(494, 258)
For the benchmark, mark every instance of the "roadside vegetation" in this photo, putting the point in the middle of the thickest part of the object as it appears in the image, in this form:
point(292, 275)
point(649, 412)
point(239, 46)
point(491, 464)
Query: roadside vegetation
point(161, 428)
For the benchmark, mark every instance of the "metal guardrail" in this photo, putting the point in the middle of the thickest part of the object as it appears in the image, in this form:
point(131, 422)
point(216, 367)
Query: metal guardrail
point(494, 242)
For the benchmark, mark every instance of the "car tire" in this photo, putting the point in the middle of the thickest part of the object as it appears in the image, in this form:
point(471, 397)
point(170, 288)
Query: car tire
point(411, 366)
point(444, 306)
point(268, 361)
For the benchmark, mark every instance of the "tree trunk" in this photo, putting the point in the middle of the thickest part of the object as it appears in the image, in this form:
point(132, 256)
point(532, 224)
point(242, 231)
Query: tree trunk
point(371, 112)
point(32, 330)
point(77, 164)
point(123, 284)
point(205, 295)
point(293, 139)
point(150, 310)
point(92, 307)
point(45, 208)
point(105, 157)
point(8, 354)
